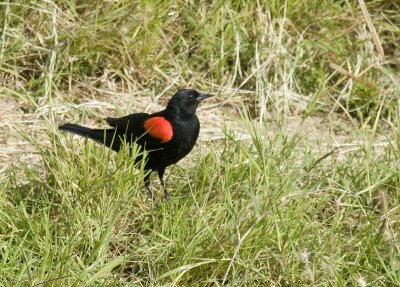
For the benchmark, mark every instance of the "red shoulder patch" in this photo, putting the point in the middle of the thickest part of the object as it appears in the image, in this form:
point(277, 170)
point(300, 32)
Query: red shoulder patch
point(160, 128)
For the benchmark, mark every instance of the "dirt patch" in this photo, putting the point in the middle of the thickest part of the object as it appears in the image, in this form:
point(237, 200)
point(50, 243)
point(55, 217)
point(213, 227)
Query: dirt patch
point(13, 147)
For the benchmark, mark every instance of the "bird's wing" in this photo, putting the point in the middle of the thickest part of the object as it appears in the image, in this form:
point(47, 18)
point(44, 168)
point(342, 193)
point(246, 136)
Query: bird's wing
point(128, 121)
point(159, 128)
point(147, 130)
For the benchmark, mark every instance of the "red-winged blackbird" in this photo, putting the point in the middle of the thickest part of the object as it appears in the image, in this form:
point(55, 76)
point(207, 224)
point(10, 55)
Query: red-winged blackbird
point(167, 136)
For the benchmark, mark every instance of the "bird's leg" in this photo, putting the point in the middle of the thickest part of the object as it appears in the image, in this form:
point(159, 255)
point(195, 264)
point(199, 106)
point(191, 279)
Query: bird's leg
point(160, 176)
point(147, 185)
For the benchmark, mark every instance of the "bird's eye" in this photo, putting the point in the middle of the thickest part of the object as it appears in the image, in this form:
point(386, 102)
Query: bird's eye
point(191, 96)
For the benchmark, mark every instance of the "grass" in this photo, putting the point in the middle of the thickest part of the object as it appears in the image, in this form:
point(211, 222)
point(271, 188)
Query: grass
point(295, 179)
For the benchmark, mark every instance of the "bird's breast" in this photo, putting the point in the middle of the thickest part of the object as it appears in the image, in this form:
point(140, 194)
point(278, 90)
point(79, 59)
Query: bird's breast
point(185, 134)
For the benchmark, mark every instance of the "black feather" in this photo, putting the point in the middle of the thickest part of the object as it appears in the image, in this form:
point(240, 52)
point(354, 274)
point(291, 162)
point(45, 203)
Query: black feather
point(104, 136)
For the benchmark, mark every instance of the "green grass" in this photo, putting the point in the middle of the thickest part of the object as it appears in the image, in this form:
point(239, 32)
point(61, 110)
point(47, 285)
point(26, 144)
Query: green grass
point(263, 203)
point(248, 214)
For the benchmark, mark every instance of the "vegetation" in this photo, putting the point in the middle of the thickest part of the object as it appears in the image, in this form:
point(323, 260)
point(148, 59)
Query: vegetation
point(295, 181)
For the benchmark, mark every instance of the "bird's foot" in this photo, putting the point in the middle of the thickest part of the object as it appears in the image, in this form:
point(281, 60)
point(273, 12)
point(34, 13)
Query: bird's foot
point(150, 194)
point(166, 195)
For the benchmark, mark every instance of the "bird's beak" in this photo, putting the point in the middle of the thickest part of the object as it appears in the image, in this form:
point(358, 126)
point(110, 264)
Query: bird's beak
point(203, 97)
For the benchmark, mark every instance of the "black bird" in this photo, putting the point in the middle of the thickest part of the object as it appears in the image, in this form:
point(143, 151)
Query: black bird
point(167, 136)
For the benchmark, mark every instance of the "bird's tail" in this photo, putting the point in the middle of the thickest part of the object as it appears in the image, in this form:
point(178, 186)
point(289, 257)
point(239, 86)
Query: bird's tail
point(107, 137)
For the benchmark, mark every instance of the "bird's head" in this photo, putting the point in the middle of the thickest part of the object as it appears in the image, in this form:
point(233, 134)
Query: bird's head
point(186, 101)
